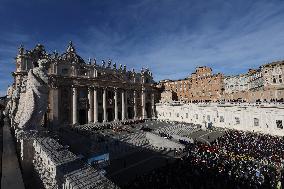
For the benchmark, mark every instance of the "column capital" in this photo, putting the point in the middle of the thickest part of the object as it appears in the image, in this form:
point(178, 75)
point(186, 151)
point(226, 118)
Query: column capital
point(115, 89)
point(104, 87)
point(74, 90)
point(95, 87)
point(90, 89)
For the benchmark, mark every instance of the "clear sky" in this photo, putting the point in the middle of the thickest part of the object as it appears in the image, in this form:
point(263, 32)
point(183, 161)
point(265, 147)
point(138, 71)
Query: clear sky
point(171, 37)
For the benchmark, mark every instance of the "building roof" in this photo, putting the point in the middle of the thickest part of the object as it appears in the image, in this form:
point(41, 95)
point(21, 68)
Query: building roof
point(281, 62)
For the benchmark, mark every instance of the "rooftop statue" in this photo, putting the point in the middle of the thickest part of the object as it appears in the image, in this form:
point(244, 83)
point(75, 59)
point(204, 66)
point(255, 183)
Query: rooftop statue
point(103, 63)
point(109, 63)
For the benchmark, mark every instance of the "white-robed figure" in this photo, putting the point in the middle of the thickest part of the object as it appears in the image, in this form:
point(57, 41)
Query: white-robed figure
point(33, 103)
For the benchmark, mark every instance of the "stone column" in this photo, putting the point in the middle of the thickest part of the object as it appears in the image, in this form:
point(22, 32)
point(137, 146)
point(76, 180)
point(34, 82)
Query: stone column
point(74, 71)
point(55, 68)
point(95, 106)
point(153, 105)
point(95, 72)
point(122, 105)
point(126, 105)
point(134, 104)
point(74, 107)
point(115, 105)
point(144, 116)
point(54, 101)
point(104, 105)
point(91, 105)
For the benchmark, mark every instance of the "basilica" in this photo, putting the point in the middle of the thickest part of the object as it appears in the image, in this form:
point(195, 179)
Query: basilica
point(82, 92)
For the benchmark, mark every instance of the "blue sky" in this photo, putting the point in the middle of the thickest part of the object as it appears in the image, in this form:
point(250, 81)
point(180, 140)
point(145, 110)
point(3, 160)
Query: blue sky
point(171, 37)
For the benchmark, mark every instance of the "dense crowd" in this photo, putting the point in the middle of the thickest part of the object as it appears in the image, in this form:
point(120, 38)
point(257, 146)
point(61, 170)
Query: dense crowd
point(235, 160)
point(116, 126)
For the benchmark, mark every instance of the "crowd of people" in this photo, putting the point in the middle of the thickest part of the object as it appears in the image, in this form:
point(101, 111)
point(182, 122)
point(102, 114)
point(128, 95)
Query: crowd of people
point(236, 160)
point(116, 126)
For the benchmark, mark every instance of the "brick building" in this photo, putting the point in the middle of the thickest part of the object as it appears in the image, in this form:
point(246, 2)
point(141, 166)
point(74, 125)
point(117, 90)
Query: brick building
point(264, 84)
point(201, 86)
point(206, 86)
point(179, 88)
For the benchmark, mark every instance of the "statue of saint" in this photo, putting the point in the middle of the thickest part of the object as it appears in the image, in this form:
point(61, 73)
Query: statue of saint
point(103, 63)
point(109, 63)
point(33, 103)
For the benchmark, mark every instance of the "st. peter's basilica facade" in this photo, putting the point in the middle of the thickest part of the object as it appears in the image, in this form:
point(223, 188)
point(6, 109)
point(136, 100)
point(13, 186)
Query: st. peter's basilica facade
point(81, 92)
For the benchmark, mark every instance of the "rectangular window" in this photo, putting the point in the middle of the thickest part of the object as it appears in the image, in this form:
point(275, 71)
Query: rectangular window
point(256, 121)
point(177, 114)
point(208, 117)
point(237, 119)
point(279, 124)
point(186, 115)
point(221, 119)
point(196, 116)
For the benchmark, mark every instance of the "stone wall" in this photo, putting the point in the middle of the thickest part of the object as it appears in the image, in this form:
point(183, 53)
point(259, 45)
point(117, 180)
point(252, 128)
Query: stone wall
point(265, 118)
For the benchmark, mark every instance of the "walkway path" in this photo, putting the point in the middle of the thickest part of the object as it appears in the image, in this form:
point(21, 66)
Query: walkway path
point(11, 173)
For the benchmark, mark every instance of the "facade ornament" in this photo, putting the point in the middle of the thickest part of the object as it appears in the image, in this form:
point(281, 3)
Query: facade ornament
point(120, 67)
point(124, 68)
point(95, 62)
point(21, 50)
point(114, 66)
point(89, 61)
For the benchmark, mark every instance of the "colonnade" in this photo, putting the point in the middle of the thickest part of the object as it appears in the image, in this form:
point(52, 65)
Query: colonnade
point(93, 104)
